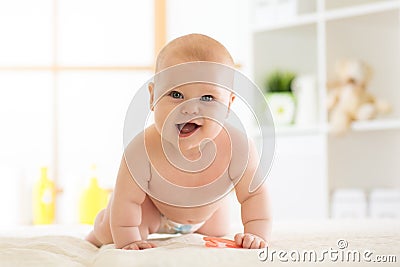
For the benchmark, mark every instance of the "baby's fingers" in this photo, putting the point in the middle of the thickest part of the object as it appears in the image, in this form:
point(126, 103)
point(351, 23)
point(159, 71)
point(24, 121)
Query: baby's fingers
point(132, 246)
point(139, 245)
point(146, 244)
point(249, 241)
point(256, 243)
point(239, 239)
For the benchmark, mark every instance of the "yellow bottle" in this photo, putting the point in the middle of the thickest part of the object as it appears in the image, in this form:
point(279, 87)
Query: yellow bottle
point(93, 199)
point(44, 195)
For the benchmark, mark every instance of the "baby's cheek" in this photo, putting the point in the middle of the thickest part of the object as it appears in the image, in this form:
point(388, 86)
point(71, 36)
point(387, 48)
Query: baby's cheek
point(210, 130)
point(160, 115)
point(158, 121)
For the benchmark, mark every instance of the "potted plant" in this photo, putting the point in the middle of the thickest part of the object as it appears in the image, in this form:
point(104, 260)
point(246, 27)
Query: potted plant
point(279, 95)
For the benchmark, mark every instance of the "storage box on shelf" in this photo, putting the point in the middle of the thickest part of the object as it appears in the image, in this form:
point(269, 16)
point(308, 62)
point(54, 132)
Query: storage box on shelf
point(349, 203)
point(309, 43)
point(384, 203)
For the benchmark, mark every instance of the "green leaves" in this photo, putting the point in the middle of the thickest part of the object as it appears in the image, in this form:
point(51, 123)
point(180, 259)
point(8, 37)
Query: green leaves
point(279, 81)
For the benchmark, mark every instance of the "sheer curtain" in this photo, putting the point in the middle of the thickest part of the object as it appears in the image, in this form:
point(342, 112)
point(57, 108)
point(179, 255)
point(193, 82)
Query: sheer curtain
point(68, 70)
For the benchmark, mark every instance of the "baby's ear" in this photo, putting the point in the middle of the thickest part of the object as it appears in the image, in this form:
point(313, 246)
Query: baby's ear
point(151, 92)
point(231, 99)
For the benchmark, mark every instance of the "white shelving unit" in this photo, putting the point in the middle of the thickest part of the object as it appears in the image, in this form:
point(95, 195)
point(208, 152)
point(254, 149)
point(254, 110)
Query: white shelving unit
point(310, 162)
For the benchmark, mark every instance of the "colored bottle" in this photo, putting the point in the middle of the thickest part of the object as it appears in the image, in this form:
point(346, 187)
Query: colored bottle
point(93, 199)
point(44, 195)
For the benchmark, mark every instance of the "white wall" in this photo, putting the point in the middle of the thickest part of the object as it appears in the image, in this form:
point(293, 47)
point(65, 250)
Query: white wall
point(90, 105)
point(84, 109)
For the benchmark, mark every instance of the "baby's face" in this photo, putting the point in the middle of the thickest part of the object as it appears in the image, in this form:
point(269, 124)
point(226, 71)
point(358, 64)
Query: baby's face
point(188, 114)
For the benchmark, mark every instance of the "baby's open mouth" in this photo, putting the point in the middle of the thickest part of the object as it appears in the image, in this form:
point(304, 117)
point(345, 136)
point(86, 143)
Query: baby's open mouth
point(187, 129)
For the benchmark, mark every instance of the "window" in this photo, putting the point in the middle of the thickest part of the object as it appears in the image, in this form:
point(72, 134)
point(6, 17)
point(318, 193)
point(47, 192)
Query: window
point(68, 70)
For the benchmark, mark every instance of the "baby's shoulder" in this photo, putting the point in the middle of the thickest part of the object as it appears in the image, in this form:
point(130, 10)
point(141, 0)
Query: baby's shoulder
point(239, 139)
point(136, 158)
point(135, 152)
point(240, 145)
point(142, 142)
point(136, 146)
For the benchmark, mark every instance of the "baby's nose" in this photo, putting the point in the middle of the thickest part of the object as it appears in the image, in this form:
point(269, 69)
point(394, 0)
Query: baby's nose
point(190, 107)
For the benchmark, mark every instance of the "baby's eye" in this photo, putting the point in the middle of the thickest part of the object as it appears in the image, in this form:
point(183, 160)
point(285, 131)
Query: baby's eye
point(176, 94)
point(207, 98)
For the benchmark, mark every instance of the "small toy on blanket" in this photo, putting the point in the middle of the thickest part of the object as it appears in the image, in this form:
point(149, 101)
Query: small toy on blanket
point(217, 242)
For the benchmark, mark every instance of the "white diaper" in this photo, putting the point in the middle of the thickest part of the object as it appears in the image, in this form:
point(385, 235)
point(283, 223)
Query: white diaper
point(170, 227)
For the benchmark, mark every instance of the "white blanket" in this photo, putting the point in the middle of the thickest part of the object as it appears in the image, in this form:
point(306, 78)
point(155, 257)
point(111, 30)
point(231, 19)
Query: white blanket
point(64, 246)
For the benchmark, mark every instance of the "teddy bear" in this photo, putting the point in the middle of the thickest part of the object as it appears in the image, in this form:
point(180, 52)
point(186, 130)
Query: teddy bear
point(348, 99)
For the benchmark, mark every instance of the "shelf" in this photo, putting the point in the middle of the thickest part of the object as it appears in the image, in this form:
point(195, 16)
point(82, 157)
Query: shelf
point(290, 130)
point(373, 125)
point(372, 8)
point(311, 43)
point(339, 13)
point(376, 125)
point(358, 126)
point(290, 22)
point(291, 49)
point(298, 130)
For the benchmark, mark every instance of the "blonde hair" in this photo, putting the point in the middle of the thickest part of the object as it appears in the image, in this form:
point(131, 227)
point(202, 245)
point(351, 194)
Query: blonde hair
point(194, 47)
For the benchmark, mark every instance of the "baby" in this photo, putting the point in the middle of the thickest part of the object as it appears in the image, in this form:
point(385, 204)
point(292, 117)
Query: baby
point(132, 213)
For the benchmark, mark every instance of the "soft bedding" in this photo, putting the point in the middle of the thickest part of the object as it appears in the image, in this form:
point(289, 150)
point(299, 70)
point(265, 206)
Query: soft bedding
point(64, 246)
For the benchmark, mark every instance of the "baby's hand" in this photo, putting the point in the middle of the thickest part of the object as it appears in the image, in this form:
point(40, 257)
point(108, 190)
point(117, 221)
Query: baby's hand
point(141, 244)
point(251, 241)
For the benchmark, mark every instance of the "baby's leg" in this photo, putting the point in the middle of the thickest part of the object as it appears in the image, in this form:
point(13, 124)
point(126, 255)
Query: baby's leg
point(219, 223)
point(151, 218)
point(99, 229)
point(101, 234)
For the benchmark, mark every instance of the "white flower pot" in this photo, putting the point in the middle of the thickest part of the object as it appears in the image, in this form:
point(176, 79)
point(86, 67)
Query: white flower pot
point(283, 107)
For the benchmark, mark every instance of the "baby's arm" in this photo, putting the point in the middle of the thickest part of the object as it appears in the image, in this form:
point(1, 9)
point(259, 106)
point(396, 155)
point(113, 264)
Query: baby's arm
point(128, 197)
point(126, 208)
point(256, 214)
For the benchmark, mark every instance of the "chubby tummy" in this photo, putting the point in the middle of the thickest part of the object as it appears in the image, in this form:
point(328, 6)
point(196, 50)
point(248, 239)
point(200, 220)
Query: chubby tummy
point(189, 199)
point(190, 215)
